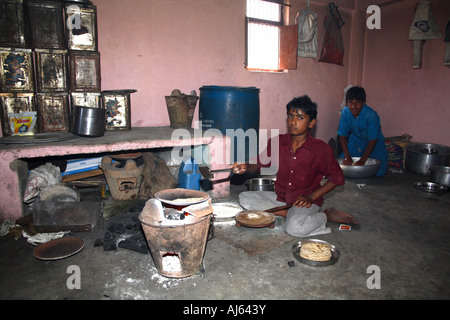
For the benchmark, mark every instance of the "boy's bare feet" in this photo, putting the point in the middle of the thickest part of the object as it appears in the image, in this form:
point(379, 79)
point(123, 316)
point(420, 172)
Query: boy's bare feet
point(334, 215)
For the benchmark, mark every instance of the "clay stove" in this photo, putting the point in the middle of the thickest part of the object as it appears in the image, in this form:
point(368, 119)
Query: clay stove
point(176, 230)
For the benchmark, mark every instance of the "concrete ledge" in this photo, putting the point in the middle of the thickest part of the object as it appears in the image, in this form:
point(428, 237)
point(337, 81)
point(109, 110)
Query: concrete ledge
point(14, 173)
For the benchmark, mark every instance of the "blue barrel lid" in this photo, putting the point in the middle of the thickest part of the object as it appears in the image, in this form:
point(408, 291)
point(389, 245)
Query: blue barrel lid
point(229, 88)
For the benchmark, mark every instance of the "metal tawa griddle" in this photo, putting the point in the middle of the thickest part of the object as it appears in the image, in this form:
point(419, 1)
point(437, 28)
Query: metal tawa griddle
point(58, 249)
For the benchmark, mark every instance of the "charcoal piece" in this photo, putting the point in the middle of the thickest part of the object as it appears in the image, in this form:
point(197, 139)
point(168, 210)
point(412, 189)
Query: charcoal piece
point(109, 242)
point(291, 263)
point(116, 228)
point(135, 243)
point(98, 242)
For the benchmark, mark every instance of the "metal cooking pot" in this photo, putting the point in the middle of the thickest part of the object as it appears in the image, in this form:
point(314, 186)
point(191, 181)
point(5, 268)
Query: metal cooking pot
point(89, 122)
point(260, 184)
point(440, 174)
point(421, 156)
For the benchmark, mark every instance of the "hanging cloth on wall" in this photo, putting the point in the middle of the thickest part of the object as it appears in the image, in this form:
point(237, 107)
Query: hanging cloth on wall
point(307, 33)
point(333, 44)
point(423, 27)
point(447, 40)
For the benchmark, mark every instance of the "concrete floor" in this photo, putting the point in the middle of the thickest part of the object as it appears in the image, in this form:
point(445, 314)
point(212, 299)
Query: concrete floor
point(402, 244)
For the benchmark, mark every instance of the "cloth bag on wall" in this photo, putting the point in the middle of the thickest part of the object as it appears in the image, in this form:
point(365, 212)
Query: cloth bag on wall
point(307, 33)
point(447, 40)
point(333, 43)
point(424, 26)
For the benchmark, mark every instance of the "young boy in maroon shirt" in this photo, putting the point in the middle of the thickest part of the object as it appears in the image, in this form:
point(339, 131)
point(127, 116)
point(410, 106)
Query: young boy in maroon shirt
point(303, 161)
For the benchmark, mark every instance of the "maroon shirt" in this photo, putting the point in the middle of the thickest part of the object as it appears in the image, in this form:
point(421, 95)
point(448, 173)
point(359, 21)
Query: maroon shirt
point(301, 173)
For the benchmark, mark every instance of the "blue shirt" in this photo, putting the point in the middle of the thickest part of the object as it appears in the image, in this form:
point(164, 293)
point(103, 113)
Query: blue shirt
point(365, 127)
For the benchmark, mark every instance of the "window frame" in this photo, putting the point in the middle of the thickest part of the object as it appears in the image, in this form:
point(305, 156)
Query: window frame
point(286, 61)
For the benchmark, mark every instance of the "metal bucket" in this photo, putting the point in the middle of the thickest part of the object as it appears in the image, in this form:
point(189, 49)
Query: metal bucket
point(177, 250)
point(89, 122)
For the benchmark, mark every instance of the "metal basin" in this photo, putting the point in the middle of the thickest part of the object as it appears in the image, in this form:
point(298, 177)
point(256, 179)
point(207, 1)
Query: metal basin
point(358, 172)
point(260, 184)
point(421, 156)
point(440, 175)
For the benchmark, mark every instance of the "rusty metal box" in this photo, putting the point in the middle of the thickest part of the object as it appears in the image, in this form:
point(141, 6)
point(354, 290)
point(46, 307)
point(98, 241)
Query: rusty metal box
point(85, 73)
point(86, 99)
point(117, 105)
point(84, 215)
point(46, 24)
point(12, 24)
point(14, 103)
point(16, 70)
point(51, 70)
point(81, 26)
point(53, 112)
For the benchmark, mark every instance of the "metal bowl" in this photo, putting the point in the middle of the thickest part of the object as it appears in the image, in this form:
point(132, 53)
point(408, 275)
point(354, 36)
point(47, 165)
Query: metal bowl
point(358, 172)
point(440, 175)
point(260, 184)
point(430, 187)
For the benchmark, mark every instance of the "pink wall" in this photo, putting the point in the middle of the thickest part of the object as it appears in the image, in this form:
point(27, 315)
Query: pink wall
point(412, 101)
point(155, 46)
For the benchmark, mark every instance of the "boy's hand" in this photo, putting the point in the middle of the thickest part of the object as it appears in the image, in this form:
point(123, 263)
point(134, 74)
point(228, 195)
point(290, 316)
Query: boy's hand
point(239, 168)
point(303, 201)
point(347, 161)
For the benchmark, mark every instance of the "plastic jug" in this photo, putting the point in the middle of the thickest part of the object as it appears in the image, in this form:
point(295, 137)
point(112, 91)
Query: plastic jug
point(189, 176)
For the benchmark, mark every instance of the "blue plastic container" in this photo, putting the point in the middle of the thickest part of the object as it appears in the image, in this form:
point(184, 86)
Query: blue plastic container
point(189, 176)
point(233, 108)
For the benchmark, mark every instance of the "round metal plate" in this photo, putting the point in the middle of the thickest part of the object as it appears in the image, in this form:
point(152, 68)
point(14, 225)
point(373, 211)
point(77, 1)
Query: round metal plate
point(334, 253)
point(174, 196)
point(58, 249)
point(430, 187)
point(255, 218)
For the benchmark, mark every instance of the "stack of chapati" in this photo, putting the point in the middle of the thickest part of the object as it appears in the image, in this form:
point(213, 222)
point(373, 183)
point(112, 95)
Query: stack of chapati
point(315, 251)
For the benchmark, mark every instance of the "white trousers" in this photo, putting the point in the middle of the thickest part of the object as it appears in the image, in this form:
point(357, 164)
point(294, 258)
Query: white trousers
point(300, 221)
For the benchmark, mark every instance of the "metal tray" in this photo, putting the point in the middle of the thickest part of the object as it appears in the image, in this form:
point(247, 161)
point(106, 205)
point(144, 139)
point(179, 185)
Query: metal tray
point(334, 253)
point(58, 249)
point(430, 187)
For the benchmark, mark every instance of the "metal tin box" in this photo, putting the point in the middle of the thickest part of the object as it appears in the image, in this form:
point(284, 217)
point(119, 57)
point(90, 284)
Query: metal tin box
point(117, 105)
point(85, 71)
point(12, 24)
point(16, 70)
point(81, 27)
point(84, 215)
point(14, 103)
point(53, 112)
point(51, 70)
point(46, 24)
point(86, 99)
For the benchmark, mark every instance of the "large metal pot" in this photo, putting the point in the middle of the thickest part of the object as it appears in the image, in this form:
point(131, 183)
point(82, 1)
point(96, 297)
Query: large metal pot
point(260, 184)
point(421, 156)
point(440, 174)
point(89, 122)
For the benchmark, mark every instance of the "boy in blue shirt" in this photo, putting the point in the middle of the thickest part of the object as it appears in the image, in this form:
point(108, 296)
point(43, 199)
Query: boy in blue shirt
point(360, 133)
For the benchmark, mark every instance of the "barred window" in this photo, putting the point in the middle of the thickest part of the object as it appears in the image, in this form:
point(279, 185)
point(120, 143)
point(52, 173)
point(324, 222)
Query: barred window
point(264, 35)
